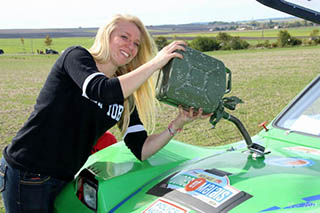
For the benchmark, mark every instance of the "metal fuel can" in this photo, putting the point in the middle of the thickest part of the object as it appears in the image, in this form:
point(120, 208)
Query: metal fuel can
point(198, 80)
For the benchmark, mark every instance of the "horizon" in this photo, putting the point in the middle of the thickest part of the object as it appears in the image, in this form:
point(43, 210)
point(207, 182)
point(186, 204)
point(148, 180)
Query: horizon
point(204, 22)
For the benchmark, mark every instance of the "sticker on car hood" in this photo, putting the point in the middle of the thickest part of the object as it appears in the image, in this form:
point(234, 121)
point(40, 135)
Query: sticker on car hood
point(303, 149)
point(289, 162)
point(212, 189)
point(164, 205)
point(201, 190)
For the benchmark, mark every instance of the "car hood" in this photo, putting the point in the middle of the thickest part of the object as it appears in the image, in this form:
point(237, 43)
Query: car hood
point(215, 179)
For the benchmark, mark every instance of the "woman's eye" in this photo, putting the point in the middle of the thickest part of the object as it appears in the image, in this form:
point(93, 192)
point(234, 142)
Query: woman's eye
point(137, 44)
point(124, 37)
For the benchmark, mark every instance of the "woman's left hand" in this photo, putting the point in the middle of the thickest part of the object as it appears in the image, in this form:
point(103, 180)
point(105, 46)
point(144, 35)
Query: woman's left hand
point(185, 117)
point(156, 141)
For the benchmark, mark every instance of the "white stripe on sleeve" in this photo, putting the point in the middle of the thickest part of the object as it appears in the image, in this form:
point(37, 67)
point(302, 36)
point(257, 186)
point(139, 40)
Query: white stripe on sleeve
point(135, 128)
point(86, 82)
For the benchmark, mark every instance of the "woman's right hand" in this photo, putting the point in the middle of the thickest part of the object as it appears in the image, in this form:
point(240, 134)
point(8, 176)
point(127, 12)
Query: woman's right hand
point(167, 53)
point(131, 81)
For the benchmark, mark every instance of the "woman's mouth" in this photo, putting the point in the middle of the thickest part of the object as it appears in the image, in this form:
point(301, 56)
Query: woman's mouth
point(125, 53)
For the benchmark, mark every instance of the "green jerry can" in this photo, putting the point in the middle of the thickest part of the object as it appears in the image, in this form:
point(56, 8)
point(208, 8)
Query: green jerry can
point(197, 80)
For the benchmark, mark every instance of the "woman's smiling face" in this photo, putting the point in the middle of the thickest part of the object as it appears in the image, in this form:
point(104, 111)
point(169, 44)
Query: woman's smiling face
point(124, 43)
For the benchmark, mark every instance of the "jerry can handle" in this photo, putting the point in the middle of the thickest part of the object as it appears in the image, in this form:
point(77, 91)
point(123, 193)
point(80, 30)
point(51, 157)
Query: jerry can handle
point(228, 81)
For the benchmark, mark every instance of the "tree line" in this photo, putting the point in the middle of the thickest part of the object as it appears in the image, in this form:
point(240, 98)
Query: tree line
point(224, 41)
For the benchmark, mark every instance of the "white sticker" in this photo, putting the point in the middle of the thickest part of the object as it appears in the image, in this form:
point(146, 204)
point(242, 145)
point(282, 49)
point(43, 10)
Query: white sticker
point(303, 149)
point(162, 205)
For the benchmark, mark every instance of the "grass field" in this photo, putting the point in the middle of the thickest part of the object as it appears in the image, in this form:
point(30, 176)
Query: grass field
point(266, 80)
point(14, 45)
point(254, 37)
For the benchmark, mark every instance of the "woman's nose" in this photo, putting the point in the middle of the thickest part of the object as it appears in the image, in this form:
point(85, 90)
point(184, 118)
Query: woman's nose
point(131, 45)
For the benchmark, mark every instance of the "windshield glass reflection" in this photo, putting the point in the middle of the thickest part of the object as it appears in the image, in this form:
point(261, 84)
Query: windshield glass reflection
point(304, 115)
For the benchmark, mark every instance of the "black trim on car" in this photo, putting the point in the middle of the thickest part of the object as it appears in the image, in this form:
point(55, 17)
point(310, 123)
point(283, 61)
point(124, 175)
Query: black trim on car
point(293, 9)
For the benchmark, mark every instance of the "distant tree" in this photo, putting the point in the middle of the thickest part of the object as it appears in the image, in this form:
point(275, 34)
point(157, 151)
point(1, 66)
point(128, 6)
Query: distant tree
point(314, 36)
point(224, 37)
point(314, 33)
point(205, 44)
point(48, 41)
point(285, 39)
point(237, 44)
point(22, 42)
point(161, 42)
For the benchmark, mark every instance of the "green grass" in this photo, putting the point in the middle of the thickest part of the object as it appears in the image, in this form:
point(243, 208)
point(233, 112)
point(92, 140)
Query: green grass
point(266, 80)
point(14, 45)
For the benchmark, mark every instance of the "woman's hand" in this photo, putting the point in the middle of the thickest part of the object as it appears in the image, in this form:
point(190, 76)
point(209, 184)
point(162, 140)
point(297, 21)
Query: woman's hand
point(131, 81)
point(185, 117)
point(156, 141)
point(167, 53)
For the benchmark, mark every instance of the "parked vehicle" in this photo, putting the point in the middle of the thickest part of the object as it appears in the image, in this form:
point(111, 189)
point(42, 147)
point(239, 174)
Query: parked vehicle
point(51, 51)
point(276, 170)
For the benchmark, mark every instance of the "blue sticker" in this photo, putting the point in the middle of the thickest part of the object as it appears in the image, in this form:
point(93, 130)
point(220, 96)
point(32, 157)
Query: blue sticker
point(299, 205)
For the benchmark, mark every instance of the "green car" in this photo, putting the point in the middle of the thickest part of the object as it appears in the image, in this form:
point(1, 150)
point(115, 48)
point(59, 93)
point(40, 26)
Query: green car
point(277, 170)
point(231, 178)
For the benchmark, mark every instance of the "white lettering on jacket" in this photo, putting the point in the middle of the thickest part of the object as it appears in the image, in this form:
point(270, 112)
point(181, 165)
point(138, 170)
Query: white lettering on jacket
point(100, 105)
point(115, 111)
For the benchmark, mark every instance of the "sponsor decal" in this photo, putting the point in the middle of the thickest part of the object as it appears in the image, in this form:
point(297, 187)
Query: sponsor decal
point(164, 205)
point(211, 189)
point(307, 204)
point(289, 162)
point(303, 149)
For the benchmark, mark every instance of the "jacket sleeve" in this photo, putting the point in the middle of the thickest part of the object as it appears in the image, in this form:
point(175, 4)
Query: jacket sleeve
point(135, 135)
point(81, 67)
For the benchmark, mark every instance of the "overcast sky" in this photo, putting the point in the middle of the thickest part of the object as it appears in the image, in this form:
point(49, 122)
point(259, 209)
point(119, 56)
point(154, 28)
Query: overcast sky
point(17, 14)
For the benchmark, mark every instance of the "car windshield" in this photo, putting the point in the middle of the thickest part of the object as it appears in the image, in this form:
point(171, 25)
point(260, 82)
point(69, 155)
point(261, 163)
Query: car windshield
point(310, 4)
point(304, 115)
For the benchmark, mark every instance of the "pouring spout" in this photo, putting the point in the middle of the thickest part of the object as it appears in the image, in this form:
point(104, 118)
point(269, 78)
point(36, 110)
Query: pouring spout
point(253, 147)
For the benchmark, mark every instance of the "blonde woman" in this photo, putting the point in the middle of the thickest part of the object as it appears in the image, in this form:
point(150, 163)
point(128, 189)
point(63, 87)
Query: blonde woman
point(86, 93)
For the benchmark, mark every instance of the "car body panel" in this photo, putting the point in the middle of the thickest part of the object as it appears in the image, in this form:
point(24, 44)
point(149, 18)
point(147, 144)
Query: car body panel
point(188, 178)
point(287, 178)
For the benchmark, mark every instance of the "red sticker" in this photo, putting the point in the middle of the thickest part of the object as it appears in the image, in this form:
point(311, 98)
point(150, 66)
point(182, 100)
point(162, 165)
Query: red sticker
point(196, 183)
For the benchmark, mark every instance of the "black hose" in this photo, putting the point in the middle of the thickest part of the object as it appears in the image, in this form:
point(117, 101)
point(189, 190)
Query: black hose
point(242, 129)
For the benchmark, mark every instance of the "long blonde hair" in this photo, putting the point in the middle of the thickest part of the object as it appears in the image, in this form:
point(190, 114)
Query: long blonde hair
point(144, 96)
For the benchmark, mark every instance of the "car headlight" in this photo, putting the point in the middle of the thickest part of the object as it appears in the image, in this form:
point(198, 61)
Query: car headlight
point(90, 195)
point(87, 189)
